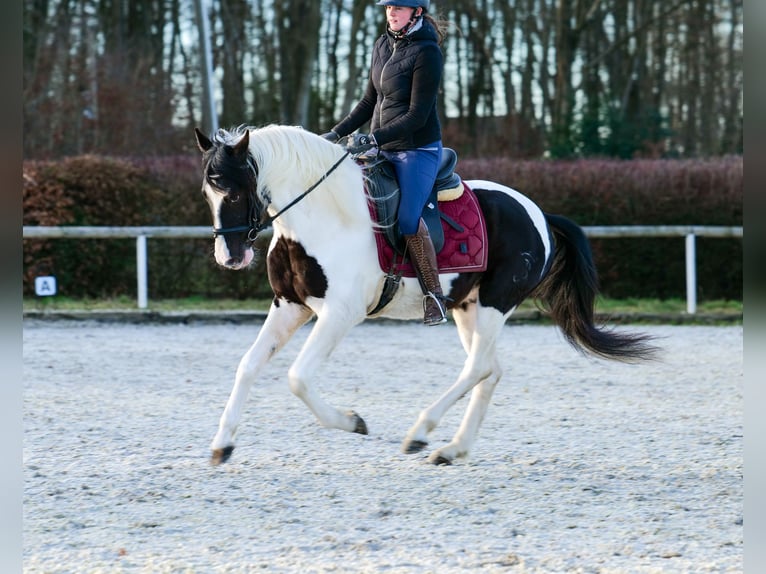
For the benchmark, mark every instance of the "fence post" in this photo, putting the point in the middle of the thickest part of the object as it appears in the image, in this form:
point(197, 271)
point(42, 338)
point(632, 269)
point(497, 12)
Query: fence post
point(691, 274)
point(141, 271)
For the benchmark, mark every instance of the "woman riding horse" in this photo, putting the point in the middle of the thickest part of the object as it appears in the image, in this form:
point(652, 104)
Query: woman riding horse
point(401, 101)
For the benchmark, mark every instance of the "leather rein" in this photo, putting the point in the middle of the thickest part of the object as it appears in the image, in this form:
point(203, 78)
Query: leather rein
point(258, 223)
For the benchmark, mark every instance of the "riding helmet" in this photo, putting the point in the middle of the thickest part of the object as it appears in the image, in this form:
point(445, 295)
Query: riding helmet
point(406, 3)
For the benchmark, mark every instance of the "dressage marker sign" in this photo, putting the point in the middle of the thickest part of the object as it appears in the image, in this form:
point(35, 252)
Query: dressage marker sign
point(45, 286)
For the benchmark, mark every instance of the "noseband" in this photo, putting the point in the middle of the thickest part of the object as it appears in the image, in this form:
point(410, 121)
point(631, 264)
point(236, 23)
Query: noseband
point(257, 222)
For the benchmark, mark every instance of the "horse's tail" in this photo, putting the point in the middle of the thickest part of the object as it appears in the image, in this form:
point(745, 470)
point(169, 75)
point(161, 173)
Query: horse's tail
point(568, 293)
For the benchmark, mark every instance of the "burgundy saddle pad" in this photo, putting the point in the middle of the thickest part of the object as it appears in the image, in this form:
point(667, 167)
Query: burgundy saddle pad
point(463, 251)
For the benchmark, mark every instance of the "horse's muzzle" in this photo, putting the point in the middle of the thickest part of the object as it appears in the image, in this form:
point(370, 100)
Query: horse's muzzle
point(236, 263)
point(225, 258)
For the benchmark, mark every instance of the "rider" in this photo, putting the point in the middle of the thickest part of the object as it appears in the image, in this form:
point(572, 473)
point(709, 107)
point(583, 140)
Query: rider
point(400, 99)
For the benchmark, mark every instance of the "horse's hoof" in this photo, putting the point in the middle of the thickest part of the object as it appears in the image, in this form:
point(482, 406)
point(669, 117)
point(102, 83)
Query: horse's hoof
point(361, 426)
point(440, 460)
point(221, 455)
point(414, 446)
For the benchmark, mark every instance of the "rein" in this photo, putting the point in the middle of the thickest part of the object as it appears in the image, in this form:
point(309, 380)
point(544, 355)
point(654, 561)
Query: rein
point(257, 224)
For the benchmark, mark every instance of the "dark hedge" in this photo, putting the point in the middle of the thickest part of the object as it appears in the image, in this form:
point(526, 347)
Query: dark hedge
point(96, 191)
point(640, 192)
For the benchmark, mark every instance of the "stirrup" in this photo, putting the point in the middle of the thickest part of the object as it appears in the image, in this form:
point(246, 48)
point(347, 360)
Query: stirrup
point(432, 318)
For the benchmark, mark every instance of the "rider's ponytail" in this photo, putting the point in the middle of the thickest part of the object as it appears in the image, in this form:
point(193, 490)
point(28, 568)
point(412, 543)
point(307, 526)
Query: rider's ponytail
point(441, 26)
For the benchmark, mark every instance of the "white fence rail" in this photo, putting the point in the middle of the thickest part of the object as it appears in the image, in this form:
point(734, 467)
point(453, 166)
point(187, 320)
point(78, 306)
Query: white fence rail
point(141, 234)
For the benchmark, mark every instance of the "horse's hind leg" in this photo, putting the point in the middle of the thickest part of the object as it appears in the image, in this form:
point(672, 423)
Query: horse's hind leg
point(281, 323)
point(417, 437)
point(468, 432)
point(478, 328)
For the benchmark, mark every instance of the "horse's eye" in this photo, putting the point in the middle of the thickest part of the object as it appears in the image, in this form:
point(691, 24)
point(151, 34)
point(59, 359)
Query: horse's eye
point(234, 197)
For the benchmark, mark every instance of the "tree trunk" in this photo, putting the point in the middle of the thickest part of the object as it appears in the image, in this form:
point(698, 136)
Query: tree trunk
point(234, 14)
point(297, 23)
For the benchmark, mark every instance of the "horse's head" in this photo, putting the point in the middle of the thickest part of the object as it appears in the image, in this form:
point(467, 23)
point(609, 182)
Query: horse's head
point(230, 189)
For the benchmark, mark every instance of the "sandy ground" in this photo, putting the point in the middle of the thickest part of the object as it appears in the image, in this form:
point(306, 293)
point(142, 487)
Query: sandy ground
point(582, 465)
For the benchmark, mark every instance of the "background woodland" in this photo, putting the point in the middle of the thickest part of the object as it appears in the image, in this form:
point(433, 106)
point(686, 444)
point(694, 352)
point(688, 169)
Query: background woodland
point(523, 78)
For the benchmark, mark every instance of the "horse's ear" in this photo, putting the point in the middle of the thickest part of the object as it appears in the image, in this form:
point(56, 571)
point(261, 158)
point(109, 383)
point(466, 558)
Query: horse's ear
point(203, 142)
point(243, 145)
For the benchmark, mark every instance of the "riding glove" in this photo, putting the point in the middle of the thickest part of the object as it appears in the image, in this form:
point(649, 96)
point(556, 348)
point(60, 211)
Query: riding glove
point(361, 143)
point(331, 136)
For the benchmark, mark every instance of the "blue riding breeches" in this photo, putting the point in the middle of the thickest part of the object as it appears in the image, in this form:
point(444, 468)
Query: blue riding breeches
point(416, 171)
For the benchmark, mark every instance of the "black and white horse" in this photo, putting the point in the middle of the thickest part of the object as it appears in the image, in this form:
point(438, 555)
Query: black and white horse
point(322, 261)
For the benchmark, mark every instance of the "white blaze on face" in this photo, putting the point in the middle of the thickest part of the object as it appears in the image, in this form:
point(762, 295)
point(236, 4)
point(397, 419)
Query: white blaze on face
point(221, 250)
point(215, 200)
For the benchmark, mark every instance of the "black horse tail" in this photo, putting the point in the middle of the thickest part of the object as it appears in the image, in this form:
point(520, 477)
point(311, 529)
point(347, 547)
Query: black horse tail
point(568, 294)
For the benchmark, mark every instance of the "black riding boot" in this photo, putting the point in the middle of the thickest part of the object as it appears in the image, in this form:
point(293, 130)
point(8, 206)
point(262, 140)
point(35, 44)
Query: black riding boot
point(423, 256)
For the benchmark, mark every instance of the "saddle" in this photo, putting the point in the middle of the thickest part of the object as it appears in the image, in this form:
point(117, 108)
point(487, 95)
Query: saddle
point(383, 191)
point(453, 216)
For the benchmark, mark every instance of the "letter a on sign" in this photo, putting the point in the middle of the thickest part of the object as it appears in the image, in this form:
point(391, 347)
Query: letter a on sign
point(45, 286)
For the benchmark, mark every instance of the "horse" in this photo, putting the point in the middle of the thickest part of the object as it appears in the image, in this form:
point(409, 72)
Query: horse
point(322, 265)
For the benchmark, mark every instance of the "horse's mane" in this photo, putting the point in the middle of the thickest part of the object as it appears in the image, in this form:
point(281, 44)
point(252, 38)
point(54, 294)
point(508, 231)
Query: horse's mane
point(291, 159)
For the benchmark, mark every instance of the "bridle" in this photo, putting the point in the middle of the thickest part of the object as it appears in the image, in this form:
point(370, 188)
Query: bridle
point(258, 219)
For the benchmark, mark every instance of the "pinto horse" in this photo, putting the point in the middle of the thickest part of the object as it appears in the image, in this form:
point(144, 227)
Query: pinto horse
point(322, 262)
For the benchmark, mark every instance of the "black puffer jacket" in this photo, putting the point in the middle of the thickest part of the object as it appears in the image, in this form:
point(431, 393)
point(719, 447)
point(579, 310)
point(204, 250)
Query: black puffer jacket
point(401, 93)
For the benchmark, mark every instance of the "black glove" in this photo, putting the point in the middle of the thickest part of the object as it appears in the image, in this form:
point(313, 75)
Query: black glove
point(361, 143)
point(331, 136)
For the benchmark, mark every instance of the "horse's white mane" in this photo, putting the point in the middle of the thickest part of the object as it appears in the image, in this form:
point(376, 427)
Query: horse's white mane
point(291, 159)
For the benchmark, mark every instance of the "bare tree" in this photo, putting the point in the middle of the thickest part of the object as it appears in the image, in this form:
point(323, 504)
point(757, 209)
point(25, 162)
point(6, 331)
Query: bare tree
point(615, 77)
point(297, 23)
point(732, 95)
point(235, 14)
point(264, 85)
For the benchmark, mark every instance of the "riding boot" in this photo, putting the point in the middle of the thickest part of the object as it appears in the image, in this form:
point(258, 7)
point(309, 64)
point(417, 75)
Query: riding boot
point(423, 256)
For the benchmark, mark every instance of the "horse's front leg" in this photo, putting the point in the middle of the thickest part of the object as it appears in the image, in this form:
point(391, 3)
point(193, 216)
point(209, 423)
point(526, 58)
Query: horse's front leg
point(328, 331)
point(281, 323)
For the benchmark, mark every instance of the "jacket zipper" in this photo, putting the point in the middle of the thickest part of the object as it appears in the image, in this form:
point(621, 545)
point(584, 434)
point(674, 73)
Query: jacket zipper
point(383, 69)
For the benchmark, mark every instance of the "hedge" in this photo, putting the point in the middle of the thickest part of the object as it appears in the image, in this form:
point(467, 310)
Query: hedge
point(97, 190)
point(640, 192)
